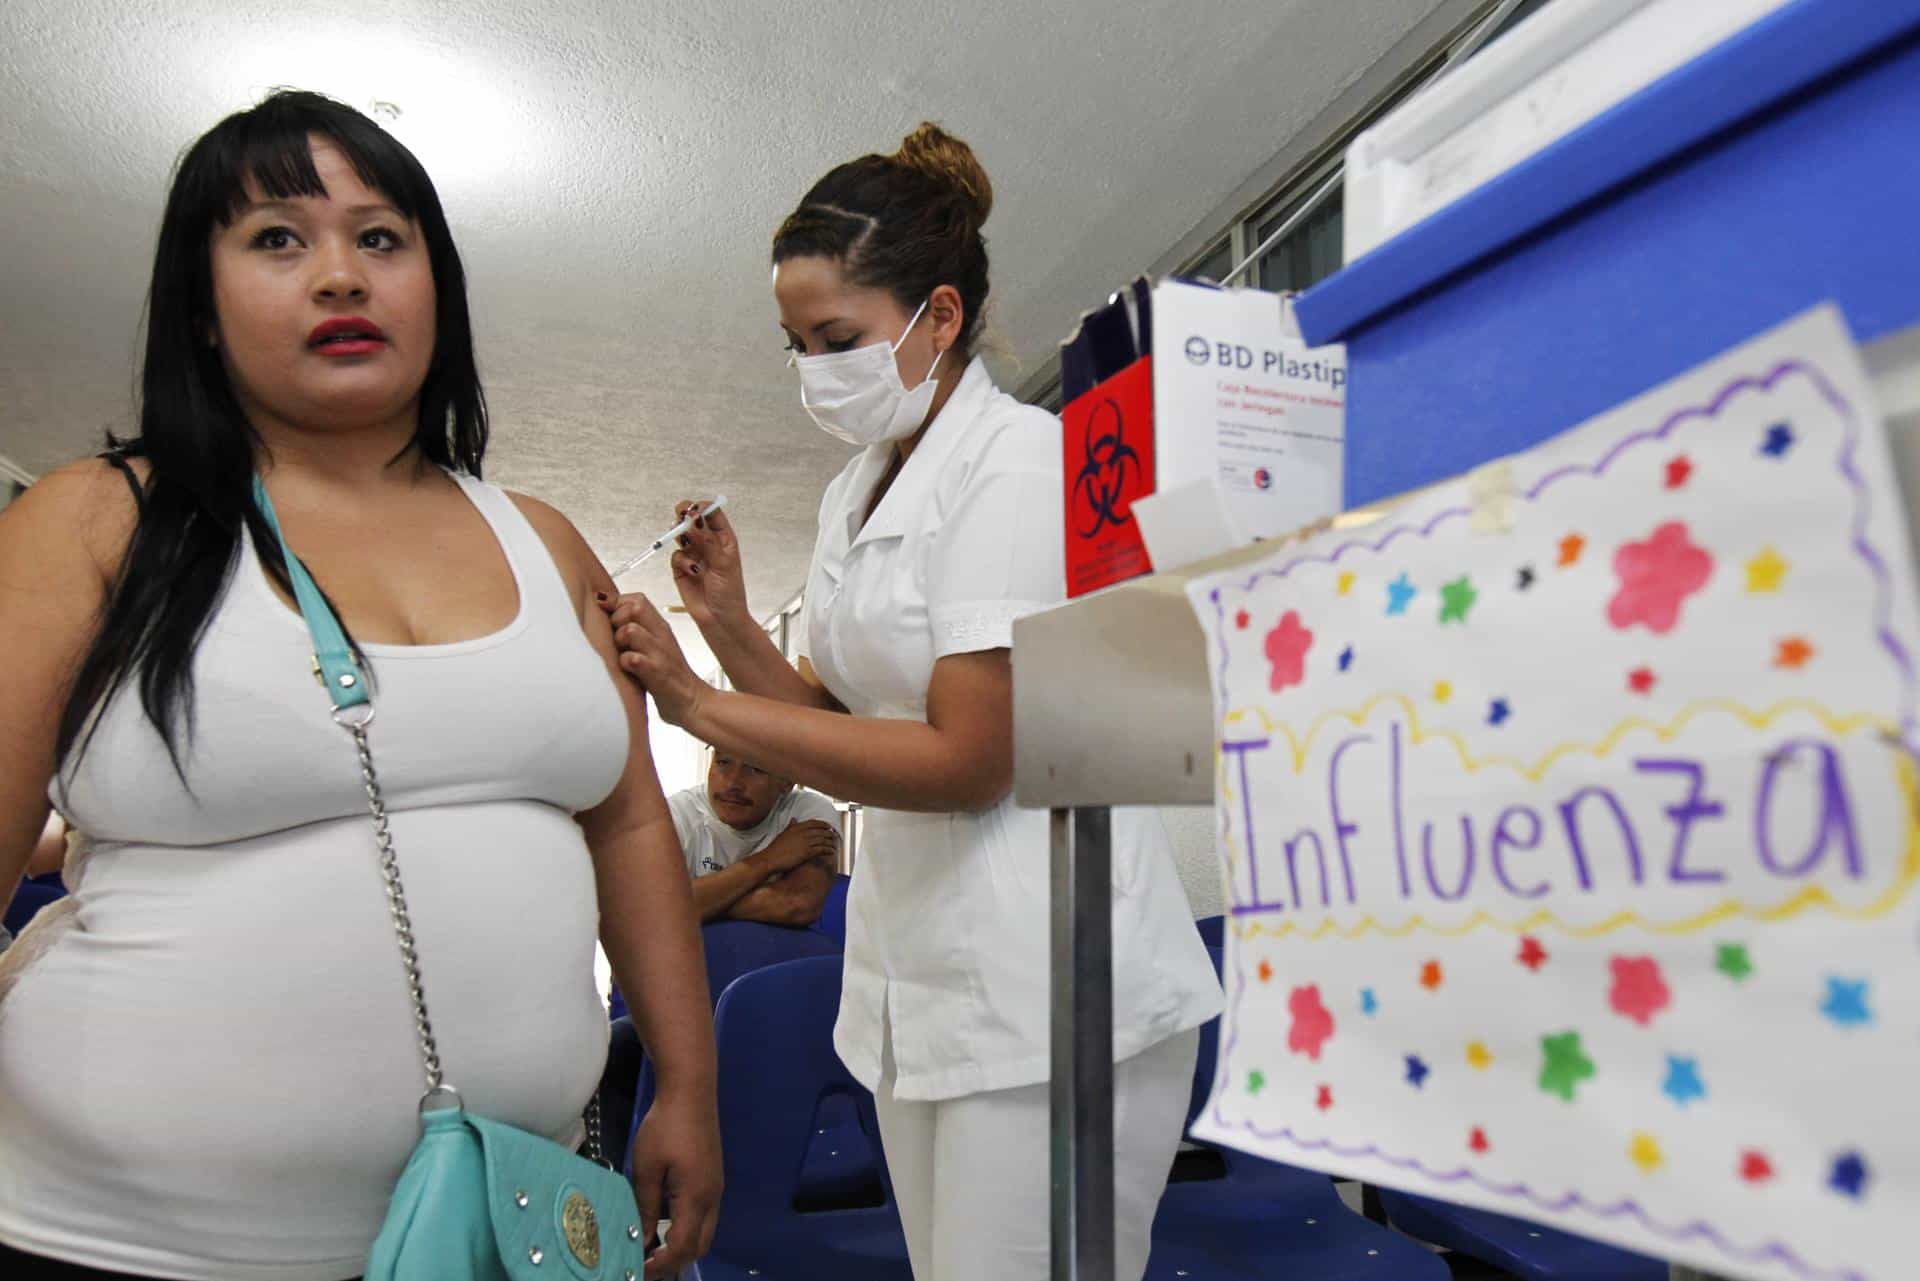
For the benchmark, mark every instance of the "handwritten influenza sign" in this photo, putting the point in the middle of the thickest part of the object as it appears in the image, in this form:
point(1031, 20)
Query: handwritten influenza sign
point(1568, 814)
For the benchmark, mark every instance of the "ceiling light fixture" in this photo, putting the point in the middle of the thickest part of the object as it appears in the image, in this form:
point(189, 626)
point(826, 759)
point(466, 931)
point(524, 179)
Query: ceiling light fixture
point(464, 129)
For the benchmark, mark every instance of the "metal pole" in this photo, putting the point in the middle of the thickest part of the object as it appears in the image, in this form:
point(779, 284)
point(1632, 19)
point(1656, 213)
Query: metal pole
point(1082, 1085)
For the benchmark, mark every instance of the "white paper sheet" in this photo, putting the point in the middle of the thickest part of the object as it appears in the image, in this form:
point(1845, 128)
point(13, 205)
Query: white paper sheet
point(1239, 399)
point(1568, 816)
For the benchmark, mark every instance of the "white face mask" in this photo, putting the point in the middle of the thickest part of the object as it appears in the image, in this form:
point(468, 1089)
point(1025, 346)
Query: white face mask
point(857, 395)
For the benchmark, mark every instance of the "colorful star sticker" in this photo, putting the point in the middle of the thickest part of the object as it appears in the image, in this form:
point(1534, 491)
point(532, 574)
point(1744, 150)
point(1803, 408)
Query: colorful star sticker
point(1479, 1057)
point(1346, 658)
point(1442, 691)
point(1849, 1175)
point(1639, 990)
point(1287, 647)
point(1532, 955)
point(1565, 1065)
point(1731, 960)
point(1368, 1005)
point(1456, 598)
point(1793, 653)
point(1478, 1140)
point(1266, 971)
point(1640, 680)
point(1570, 548)
point(1846, 1002)
point(1323, 1099)
point(1755, 1167)
point(1683, 1083)
point(1523, 579)
point(1312, 1025)
point(1498, 712)
point(1400, 594)
point(1646, 1153)
point(1241, 619)
point(1766, 571)
point(1779, 441)
point(1256, 1081)
point(1346, 583)
point(1430, 976)
point(1678, 469)
point(1417, 1071)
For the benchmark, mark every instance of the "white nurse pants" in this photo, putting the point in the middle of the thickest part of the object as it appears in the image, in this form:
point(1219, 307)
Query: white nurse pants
point(972, 1180)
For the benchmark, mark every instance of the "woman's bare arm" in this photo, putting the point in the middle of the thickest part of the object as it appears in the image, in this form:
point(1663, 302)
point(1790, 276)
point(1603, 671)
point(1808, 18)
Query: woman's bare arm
point(61, 544)
point(651, 936)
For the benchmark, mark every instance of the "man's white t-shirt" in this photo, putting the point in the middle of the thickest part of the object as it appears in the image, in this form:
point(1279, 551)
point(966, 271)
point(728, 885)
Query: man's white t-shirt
point(711, 845)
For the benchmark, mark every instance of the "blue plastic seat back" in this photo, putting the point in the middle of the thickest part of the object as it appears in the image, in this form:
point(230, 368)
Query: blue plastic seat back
point(841, 1169)
point(833, 916)
point(1527, 1250)
point(1209, 1059)
point(1213, 930)
point(736, 948)
point(774, 1032)
point(29, 897)
point(779, 1081)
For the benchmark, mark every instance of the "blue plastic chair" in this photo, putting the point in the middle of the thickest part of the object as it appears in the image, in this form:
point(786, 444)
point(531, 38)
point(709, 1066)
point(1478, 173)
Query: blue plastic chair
point(30, 896)
point(833, 916)
point(732, 949)
point(1527, 1250)
point(735, 948)
point(779, 1076)
point(1260, 1219)
point(842, 1167)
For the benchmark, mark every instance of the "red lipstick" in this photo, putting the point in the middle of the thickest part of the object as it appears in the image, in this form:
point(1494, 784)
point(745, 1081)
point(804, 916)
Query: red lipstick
point(346, 336)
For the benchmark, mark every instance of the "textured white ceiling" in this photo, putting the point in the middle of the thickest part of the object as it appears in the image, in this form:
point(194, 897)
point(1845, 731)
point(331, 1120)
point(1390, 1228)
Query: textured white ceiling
point(613, 171)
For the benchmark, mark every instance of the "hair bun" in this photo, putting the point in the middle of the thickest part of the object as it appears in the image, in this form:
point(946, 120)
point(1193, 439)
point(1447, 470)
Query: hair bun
point(937, 153)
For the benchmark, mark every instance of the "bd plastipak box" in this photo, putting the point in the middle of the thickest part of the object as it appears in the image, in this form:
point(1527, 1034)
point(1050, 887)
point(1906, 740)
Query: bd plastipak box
point(1226, 429)
point(1240, 400)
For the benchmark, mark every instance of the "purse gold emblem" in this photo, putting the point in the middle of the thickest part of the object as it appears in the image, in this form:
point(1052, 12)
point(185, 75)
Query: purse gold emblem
point(582, 1229)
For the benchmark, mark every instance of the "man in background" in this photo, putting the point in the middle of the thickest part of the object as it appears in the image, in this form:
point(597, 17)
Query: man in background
point(758, 848)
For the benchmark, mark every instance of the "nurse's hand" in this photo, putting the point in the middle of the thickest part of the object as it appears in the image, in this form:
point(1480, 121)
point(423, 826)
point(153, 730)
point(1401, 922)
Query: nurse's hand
point(651, 655)
point(707, 571)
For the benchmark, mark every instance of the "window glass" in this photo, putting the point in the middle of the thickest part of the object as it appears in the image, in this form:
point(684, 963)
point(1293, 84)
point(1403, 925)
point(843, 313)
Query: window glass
point(1311, 251)
point(1214, 267)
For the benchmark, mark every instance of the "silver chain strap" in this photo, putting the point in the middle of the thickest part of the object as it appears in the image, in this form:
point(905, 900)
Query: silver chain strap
point(403, 931)
point(397, 905)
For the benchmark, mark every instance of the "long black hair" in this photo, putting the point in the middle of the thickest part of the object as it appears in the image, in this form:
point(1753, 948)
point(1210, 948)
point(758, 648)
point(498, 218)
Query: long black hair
point(196, 440)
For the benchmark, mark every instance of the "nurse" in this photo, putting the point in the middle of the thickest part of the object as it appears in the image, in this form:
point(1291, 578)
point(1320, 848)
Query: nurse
point(942, 530)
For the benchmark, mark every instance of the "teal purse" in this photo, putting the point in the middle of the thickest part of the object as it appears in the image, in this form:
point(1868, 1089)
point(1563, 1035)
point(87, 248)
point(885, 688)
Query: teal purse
point(478, 1200)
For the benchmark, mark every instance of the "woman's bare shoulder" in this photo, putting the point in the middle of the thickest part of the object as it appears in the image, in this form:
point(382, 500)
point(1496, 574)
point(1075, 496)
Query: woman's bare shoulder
point(571, 554)
point(84, 506)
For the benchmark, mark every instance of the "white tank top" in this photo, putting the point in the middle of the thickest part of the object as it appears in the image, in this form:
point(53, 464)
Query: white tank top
point(207, 1059)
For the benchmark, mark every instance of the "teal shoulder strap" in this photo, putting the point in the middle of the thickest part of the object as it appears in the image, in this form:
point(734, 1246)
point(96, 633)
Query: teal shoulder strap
point(346, 685)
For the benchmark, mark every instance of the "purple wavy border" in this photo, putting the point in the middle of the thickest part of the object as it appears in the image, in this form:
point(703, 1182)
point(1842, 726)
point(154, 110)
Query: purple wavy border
point(1889, 641)
point(1772, 1252)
